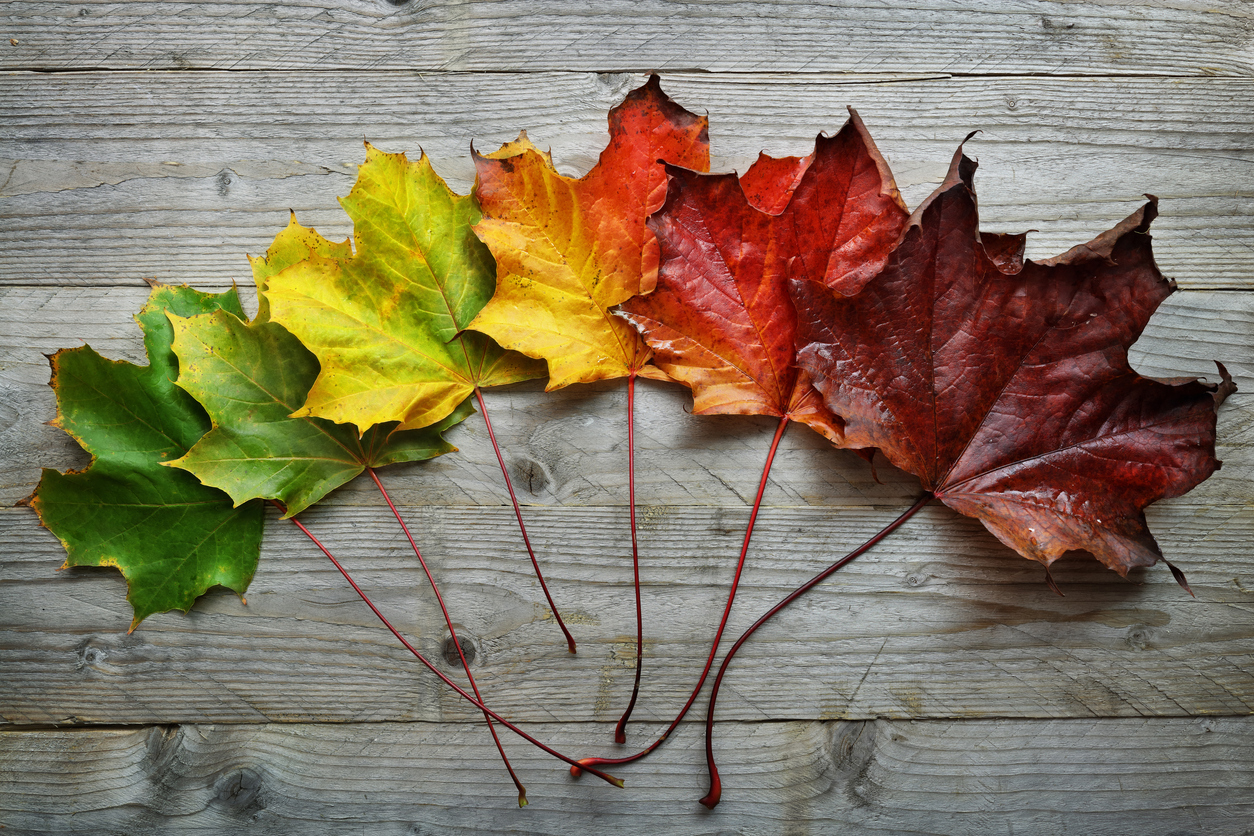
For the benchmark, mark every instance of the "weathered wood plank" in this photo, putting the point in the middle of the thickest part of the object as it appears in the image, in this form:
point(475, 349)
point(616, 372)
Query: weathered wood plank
point(1111, 37)
point(112, 177)
point(940, 620)
point(1103, 777)
point(107, 177)
point(568, 447)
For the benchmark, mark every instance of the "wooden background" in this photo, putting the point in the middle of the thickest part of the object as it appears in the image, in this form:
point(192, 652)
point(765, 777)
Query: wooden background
point(934, 686)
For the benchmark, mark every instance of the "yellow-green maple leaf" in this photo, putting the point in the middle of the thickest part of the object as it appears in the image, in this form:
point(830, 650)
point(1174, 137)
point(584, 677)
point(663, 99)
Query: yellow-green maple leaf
point(386, 321)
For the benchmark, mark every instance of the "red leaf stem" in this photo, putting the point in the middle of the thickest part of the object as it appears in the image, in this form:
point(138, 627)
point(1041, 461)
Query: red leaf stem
point(716, 786)
point(522, 791)
point(509, 485)
point(718, 636)
point(620, 733)
point(605, 776)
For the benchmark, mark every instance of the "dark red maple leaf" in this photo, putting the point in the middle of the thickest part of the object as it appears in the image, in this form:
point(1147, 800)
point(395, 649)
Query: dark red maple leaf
point(1005, 386)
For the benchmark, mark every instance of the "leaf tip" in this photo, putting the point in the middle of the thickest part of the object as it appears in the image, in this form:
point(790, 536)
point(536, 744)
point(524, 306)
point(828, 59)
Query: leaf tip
point(1179, 576)
point(1148, 213)
point(1225, 387)
point(868, 455)
point(1052, 584)
point(961, 167)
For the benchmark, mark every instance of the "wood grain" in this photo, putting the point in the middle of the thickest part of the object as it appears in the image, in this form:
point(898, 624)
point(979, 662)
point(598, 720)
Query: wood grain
point(109, 178)
point(1101, 777)
point(800, 36)
point(940, 620)
point(933, 686)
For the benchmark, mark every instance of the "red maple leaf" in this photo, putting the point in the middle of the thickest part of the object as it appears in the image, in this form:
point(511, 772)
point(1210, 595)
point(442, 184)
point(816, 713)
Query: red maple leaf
point(1005, 386)
point(720, 319)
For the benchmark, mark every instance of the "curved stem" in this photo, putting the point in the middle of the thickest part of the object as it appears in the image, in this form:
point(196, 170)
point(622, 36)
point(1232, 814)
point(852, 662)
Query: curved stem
point(509, 485)
point(620, 730)
point(718, 636)
point(522, 791)
point(716, 786)
point(477, 703)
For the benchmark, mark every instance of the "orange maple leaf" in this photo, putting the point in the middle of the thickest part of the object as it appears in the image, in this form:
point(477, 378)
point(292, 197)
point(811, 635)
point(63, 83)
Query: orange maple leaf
point(568, 250)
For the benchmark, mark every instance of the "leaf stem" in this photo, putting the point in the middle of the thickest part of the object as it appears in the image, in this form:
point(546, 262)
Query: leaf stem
point(483, 410)
point(620, 730)
point(522, 791)
point(716, 787)
point(605, 776)
point(718, 636)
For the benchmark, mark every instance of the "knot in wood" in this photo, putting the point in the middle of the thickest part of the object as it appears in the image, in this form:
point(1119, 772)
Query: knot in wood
point(449, 651)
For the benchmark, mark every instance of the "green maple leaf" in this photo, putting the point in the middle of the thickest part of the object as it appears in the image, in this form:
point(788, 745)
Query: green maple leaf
point(251, 377)
point(170, 536)
point(387, 322)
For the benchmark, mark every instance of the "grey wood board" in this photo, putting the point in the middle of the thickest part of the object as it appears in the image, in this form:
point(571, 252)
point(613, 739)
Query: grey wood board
point(108, 177)
point(1186, 37)
point(114, 177)
point(939, 620)
point(1098, 777)
point(569, 447)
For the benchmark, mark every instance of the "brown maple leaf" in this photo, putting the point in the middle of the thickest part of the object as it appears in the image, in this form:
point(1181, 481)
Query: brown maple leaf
point(1005, 386)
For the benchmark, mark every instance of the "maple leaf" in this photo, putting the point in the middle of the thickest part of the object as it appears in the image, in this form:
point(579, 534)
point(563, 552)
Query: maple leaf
point(1005, 385)
point(170, 536)
point(720, 319)
point(387, 322)
point(568, 250)
point(294, 244)
point(417, 276)
point(251, 378)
